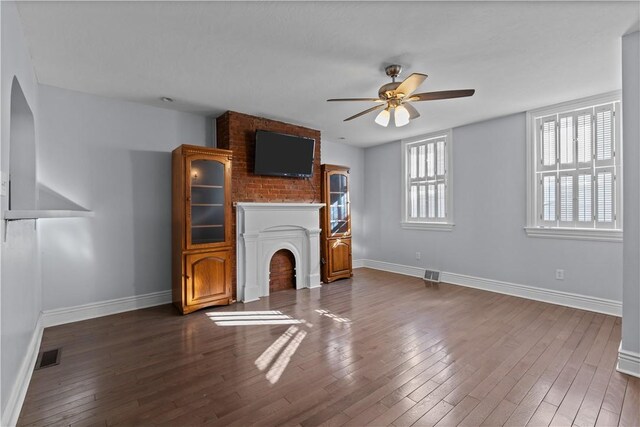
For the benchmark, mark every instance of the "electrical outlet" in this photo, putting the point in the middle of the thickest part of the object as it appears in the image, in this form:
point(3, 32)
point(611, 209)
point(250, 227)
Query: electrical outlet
point(559, 274)
point(418, 255)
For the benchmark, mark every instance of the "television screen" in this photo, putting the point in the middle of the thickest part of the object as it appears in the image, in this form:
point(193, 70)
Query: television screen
point(283, 155)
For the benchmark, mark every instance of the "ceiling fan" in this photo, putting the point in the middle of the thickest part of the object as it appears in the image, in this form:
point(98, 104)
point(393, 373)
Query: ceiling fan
point(397, 96)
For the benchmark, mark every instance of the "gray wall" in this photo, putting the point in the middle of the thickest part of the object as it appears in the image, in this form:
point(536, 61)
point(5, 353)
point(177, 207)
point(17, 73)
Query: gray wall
point(346, 155)
point(631, 131)
point(20, 288)
point(488, 239)
point(114, 158)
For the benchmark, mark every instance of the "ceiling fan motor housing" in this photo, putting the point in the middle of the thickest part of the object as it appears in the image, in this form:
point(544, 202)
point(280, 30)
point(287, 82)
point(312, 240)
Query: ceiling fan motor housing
point(388, 91)
point(393, 70)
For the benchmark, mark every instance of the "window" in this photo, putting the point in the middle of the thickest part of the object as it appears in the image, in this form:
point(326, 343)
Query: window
point(574, 162)
point(427, 202)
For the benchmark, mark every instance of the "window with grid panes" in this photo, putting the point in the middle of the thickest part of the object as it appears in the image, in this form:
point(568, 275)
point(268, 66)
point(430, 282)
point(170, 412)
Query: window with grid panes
point(427, 198)
point(577, 166)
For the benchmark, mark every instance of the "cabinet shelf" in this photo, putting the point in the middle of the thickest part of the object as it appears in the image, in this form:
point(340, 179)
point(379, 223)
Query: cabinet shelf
point(206, 186)
point(207, 204)
point(207, 226)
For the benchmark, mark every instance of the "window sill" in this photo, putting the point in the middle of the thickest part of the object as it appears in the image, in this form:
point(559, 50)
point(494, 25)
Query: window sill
point(575, 234)
point(433, 226)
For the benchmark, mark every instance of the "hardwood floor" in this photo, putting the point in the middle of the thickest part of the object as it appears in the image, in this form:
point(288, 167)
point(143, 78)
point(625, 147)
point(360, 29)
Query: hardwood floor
point(378, 349)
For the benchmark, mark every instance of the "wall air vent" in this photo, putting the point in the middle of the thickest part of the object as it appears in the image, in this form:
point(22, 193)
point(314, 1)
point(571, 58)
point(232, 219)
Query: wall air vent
point(48, 358)
point(432, 276)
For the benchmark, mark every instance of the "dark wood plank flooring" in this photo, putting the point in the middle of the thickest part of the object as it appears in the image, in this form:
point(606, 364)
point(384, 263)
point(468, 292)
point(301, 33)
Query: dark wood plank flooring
point(379, 349)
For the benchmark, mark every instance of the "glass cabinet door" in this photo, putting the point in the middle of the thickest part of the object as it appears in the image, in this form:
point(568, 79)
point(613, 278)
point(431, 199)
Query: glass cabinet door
point(339, 204)
point(206, 201)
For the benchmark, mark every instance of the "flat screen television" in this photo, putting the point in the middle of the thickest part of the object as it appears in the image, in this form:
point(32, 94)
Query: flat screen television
point(283, 155)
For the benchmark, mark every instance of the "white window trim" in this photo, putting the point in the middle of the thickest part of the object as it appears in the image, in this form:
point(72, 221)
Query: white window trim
point(532, 228)
point(428, 225)
point(600, 235)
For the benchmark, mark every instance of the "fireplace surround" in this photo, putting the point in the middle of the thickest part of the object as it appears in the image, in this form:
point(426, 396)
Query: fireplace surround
point(262, 229)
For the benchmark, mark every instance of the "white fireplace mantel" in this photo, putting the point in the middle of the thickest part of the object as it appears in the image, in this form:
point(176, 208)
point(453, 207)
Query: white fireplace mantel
point(262, 229)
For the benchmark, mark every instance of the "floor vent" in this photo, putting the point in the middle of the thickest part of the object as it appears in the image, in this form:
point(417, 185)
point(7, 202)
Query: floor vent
point(48, 358)
point(432, 276)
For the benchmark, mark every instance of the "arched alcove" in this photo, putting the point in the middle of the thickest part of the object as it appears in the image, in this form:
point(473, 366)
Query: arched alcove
point(22, 152)
point(282, 271)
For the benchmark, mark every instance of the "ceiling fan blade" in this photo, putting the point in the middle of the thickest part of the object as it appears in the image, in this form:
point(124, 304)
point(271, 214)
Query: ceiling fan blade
point(411, 83)
point(362, 113)
point(445, 94)
point(356, 99)
point(413, 113)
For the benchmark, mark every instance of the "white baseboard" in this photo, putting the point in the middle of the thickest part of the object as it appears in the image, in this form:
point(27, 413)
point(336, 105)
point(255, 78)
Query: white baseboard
point(583, 302)
point(357, 263)
point(393, 268)
point(21, 384)
point(61, 316)
point(628, 362)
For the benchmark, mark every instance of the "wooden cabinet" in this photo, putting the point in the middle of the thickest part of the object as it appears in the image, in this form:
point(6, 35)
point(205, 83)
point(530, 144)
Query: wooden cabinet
point(335, 243)
point(208, 277)
point(201, 227)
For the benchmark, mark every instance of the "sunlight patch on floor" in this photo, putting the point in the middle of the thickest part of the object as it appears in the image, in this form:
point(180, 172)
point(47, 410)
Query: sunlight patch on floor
point(275, 359)
point(243, 313)
point(269, 354)
point(248, 318)
point(335, 317)
point(278, 367)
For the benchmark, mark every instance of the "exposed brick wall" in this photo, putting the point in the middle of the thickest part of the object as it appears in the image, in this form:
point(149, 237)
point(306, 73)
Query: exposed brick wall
point(282, 272)
point(237, 132)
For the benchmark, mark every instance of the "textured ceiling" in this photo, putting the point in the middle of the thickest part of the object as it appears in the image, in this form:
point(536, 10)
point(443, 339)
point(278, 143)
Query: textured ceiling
point(283, 60)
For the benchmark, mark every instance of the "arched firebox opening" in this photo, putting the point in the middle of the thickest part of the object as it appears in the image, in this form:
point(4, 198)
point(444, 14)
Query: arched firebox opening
point(282, 271)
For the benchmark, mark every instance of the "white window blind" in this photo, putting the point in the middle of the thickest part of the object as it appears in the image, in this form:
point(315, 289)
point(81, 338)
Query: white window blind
point(566, 198)
point(604, 135)
point(427, 164)
point(549, 198)
point(548, 136)
point(567, 140)
point(584, 136)
point(576, 167)
point(584, 198)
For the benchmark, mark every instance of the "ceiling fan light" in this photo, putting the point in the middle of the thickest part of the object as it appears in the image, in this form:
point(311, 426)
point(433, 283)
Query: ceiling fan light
point(401, 116)
point(383, 118)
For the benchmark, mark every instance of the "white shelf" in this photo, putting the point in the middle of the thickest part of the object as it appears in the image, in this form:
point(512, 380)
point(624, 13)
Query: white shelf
point(38, 214)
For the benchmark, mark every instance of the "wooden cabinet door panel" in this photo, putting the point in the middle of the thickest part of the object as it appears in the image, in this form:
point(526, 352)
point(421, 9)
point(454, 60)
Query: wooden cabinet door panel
point(208, 277)
point(339, 256)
